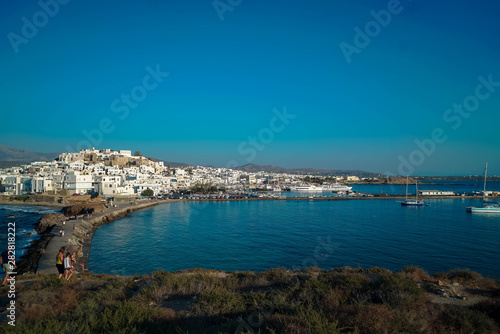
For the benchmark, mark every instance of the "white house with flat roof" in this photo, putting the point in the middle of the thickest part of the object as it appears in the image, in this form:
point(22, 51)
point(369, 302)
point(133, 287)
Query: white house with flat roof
point(125, 153)
point(41, 184)
point(76, 183)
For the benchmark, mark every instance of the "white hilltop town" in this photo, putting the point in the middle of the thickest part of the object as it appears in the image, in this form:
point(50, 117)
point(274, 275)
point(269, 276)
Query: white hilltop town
point(112, 173)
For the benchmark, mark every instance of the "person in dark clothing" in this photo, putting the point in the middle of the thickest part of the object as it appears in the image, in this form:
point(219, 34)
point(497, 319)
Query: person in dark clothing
point(59, 261)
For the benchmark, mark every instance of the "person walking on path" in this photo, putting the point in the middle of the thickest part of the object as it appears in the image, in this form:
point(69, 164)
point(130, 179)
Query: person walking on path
point(68, 268)
point(59, 261)
point(62, 233)
point(7, 267)
point(73, 227)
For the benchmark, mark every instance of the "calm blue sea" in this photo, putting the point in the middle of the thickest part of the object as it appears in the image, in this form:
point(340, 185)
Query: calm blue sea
point(24, 217)
point(258, 235)
point(460, 187)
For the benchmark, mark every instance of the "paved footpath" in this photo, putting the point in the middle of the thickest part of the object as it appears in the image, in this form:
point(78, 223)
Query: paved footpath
point(47, 262)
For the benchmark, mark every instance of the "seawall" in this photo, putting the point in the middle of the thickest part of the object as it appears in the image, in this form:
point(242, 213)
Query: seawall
point(77, 238)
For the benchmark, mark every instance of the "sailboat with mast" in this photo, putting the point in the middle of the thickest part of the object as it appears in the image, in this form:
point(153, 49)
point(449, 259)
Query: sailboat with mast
point(488, 207)
point(412, 202)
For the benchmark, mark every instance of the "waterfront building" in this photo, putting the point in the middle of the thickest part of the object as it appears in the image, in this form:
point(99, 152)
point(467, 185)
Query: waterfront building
point(41, 185)
point(76, 183)
point(436, 193)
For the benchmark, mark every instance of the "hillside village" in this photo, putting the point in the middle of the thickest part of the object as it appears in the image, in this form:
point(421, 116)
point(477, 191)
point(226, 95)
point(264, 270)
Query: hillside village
point(110, 172)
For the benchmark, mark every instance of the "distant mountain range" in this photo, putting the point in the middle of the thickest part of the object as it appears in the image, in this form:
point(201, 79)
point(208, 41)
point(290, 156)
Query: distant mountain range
point(306, 171)
point(18, 155)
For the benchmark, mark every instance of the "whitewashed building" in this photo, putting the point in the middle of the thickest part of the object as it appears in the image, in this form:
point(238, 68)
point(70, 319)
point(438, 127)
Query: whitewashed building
point(76, 183)
point(41, 184)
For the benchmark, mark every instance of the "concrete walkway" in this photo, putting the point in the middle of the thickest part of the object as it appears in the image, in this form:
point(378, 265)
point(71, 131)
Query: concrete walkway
point(47, 262)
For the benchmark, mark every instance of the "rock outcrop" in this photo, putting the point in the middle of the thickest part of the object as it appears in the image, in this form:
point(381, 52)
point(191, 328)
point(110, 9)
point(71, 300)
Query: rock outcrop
point(84, 208)
point(48, 221)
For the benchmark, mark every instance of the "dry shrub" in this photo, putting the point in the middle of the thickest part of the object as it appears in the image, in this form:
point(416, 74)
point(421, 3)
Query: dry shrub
point(278, 275)
point(464, 276)
point(218, 302)
point(346, 280)
point(246, 281)
point(35, 312)
point(334, 298)
point(377, 270)
point(157, 293)
point(440, 276)
point(313, 272)
point(373, 319)
point(261, 281)
point(286, 324)
point(68, 298)
point(490, 307)
point(42, 304)
point(395, 290)
point(36, 305)
point(463, 320)
point(414, 273)
point(166, 315)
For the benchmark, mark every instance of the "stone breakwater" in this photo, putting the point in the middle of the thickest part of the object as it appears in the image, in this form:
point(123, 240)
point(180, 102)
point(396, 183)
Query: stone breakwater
point(81, 240)
point(40, 257)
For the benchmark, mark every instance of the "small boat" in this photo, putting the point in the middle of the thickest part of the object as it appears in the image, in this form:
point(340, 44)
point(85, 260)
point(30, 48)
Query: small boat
point(488, 206)
point(412, 202)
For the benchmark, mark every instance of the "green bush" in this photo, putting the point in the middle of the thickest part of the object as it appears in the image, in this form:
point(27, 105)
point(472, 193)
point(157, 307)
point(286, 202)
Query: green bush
point(148, 192)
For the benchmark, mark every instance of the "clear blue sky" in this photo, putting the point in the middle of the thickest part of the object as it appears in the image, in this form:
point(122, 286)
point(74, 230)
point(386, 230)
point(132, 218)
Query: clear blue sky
point(71, 76)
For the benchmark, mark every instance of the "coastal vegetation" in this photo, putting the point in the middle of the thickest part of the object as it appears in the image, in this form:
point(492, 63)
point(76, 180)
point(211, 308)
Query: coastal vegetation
point(23, 198)
point(343, 300)
point(148, 192)
point(206, 188)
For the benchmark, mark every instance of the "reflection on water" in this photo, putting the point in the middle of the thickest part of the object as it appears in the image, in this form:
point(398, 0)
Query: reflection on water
point(258, 235)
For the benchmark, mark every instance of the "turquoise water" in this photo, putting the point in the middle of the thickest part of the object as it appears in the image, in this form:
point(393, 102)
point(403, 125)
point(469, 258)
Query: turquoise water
point(258, 235)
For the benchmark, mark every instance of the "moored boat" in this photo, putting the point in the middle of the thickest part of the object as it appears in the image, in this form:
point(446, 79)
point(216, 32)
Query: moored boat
point(488, 207)
point(336, 187)
point(412, 202)
point(306, 188)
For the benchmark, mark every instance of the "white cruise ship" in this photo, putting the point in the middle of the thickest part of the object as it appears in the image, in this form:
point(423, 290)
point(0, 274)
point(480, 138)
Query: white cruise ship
point(333, 187)
point(336, 187)
point(306, 188)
